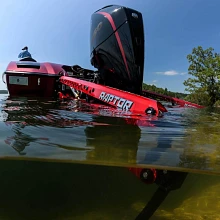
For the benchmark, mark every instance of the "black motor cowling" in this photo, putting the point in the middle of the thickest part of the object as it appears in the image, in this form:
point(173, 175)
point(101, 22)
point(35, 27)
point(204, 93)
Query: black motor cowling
point(117, 47)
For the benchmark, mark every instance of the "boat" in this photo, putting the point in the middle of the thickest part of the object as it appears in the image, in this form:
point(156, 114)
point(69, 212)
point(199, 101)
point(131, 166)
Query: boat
point(117, 53)
point(30, 78)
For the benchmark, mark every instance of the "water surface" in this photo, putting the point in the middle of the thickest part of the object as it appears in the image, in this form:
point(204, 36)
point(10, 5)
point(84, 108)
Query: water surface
point(82, 154)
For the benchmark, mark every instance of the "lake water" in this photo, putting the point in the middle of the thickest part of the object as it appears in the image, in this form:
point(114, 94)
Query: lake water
point(71, 160)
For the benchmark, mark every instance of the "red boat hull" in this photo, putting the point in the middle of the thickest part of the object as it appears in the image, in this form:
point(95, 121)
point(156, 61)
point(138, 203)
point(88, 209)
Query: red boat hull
point(33, 85)
point(32, 79)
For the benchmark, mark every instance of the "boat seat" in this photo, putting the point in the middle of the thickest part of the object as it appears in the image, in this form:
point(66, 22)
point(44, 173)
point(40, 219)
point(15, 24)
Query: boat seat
point(28, 59)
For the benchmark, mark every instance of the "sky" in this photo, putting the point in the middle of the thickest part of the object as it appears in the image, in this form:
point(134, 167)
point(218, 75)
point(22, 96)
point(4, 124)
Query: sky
point(58, 31)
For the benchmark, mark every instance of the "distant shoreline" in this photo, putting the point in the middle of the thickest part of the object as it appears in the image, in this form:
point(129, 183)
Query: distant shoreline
point(3, 91)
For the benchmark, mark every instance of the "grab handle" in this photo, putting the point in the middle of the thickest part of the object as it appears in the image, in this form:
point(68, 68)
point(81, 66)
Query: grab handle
point(3, 74)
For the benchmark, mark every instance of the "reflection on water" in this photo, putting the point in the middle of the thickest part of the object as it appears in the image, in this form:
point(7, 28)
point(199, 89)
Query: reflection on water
point(77, 133)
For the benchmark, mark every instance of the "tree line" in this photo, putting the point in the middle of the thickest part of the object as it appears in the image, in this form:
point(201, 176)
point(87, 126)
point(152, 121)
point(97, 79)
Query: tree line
point(2, 91)
point(162, 91)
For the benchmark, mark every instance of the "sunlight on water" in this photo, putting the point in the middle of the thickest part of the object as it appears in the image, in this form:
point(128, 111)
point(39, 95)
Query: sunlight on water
point(75, 133)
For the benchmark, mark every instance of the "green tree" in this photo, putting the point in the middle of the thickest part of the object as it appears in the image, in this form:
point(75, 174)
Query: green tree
point(200, 96)
point(205, 71)
point(165, 91)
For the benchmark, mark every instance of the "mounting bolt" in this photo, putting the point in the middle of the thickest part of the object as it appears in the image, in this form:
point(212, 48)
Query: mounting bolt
point(145, 175)
point(151, 111)
point(164, 171)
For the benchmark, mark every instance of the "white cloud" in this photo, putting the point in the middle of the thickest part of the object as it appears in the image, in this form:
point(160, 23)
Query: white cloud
point(170, 73)
point(151, 83)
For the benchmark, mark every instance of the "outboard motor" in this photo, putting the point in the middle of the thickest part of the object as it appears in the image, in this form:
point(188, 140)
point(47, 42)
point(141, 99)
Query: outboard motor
point(117, 47)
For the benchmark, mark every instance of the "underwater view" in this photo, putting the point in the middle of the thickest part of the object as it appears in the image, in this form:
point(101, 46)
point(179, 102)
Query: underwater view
point(71, 160)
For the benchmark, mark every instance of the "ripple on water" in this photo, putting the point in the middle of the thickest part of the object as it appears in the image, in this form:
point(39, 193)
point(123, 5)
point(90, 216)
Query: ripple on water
point(78, 131)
